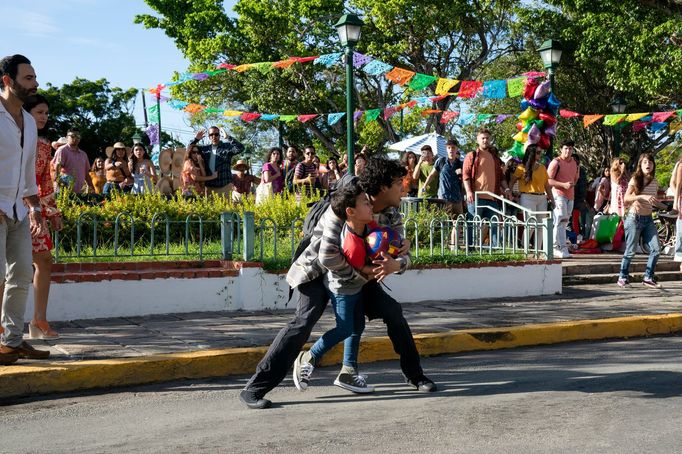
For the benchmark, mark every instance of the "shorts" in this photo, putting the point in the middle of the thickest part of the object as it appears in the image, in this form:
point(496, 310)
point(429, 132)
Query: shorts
point(453, 209)
point(42, 243)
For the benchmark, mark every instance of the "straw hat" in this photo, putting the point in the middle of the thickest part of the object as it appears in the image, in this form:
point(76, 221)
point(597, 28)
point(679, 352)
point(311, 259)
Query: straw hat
point(165, 185)
point(178, 161)
point(111, 149)
point(241, 165)
point(165, 160)
point(58, 143)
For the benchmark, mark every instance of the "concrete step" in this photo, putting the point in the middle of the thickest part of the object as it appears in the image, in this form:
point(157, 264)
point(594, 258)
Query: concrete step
point(612, 278)
point(573, 269)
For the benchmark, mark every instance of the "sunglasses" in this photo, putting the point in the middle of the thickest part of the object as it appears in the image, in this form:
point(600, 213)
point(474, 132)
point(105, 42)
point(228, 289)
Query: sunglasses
point(214, 134)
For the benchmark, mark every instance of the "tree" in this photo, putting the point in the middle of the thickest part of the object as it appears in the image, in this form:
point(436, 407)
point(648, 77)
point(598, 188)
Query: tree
point(102, 113)
point(408, 33)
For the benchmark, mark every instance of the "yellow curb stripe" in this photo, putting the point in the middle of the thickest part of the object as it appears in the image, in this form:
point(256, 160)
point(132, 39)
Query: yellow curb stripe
point(16, 381)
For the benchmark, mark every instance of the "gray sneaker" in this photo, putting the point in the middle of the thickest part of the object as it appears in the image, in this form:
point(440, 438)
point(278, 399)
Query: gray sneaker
point(303, 370)
point(354, 382)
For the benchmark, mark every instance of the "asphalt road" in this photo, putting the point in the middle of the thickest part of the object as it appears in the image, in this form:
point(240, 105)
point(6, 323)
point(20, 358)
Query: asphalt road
point(621, 396)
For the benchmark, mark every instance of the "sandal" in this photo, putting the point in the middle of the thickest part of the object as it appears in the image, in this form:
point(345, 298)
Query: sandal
point(41, 330)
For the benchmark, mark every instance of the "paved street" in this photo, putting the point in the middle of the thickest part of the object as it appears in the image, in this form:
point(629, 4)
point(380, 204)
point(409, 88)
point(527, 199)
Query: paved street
point(620, 396)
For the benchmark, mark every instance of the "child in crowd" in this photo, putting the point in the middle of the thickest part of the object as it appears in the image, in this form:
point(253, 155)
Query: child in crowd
point(640, 199)
point(352, 205)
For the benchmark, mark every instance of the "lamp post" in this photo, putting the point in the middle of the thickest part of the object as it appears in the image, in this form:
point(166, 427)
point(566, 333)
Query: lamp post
point(550, 52)
point(618, 106)
point(349, 28)
point(137, 138)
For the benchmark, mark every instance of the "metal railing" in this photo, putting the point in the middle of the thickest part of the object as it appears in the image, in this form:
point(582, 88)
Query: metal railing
point(235, 236)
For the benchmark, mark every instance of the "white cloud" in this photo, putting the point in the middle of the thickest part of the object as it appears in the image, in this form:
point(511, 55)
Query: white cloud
point(30, 23)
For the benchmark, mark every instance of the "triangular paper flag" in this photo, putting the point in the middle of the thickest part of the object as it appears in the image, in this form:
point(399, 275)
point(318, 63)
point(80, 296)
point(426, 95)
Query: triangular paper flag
point(430, 111)
point(502, 117)
point(589, 119)
point(288, 118)
point(357, 114)
point(495, 89)
point(470, 88)
point(399, 76)
point(639, 125)
point(389, 111)
point(444, 85)
point(516, 86)
point(328, 59)
point(226, 66)
point(674, 127)
point(269, 117)
point(376, 68)
point(306, 118)
point(466, 119)
point(283, 64)
point(249, 116)
point(242, 68)
point(635, 116)
point(360, 59)
point(232, 113)
point(481, 118)
point(610, 120)
point(657, 126)
point(448, 115)
point(194, 108)
point(660, 117)
point(334, 118)
point(568, 113)
point(421, 81)
point(305, 59)
point(372, 114)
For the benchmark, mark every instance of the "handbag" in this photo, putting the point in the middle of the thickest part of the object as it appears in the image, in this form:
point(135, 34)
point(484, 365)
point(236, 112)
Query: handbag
point(606, 227)
point(263, 192)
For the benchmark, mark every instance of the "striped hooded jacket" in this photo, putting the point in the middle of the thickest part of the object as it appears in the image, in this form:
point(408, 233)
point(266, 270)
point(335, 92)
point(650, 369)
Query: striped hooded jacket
point(324, 252)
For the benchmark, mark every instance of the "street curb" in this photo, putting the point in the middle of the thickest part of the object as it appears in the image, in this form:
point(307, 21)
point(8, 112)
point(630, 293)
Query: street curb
point(44, 378)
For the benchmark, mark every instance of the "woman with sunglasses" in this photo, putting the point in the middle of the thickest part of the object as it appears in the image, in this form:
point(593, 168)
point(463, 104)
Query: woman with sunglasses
point(306, 177)
point(194, 173)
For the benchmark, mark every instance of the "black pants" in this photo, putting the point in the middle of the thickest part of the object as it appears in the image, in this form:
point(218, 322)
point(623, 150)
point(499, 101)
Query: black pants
point(312, 301)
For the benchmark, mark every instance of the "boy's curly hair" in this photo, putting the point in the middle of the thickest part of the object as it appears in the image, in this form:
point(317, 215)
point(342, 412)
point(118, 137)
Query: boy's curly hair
point(380, 172)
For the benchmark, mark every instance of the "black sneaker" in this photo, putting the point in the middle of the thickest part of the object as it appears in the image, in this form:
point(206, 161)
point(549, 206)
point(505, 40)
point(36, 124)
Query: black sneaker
point(423, 384)
point(252, 401)
point(356, 383)
point(303, 370)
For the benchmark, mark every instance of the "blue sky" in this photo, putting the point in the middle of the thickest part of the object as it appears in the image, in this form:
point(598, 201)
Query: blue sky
point(94, 39)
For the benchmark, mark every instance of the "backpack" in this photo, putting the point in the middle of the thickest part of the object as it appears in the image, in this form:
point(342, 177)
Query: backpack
point(289, 178)
point(316, 211)
point(314, 215)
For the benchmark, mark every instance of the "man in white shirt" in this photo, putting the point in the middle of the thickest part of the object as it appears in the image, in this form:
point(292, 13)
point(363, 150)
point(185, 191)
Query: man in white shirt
point(20, 211)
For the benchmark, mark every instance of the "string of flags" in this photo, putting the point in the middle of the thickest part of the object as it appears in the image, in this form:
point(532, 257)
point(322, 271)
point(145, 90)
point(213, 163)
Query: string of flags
point(492, 89)
point(654, 120)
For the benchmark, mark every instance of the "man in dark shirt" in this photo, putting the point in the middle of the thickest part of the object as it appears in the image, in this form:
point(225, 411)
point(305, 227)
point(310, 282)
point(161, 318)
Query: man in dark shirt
point(218, 159)
point(448, 170)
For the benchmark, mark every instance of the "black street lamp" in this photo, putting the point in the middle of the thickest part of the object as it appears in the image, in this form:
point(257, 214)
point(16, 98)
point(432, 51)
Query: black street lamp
point(137, 138)
point(618, 106)
point(550, 52)
point(349, 28)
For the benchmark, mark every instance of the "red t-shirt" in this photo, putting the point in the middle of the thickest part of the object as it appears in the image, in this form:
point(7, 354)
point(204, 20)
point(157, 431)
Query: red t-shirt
point(353, 245)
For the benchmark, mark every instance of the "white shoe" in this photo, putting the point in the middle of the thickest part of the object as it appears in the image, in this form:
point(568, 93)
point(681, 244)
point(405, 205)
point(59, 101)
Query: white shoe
point(565, 254)
point(558, 253)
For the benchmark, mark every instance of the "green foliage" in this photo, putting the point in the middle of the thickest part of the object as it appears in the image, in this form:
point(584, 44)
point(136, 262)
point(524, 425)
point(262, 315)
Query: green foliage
point(101, 112)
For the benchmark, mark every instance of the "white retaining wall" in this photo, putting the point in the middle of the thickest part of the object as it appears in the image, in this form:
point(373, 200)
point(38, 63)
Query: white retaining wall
point(255, 290)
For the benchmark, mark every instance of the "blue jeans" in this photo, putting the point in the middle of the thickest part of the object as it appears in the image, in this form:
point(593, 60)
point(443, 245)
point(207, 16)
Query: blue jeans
point(678, 240)
point(485, 213)
point(636, 226)
point(350, 323)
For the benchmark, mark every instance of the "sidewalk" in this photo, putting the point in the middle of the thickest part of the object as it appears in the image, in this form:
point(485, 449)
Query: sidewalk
point(119, 351)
